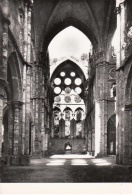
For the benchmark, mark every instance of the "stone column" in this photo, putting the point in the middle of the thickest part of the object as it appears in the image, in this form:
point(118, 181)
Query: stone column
point(62, 126)
point(74, 132)
point(3, 84)
point(6, 22)
point(24, 76)
point(73, 127)
point(39, 112)
point(23, 109)
point(27, 109)
point(43, 132)
point(52, 127)
point(25, 29)
point(28, 74)
point(1, 119)
point(83, 130)
point(47, 133)
point(120, 96)
point(118, 57)
point(121, 26)
point(29, 11)
point(101, 109)
point(10, 129)
point(15, 160)
point(90, 141)
point(127, 140)
point(93, 141)
point(121, 133)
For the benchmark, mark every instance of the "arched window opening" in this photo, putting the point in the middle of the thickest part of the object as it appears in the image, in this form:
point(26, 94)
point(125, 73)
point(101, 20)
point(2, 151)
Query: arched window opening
point(56, 122)
point(69, 42)
point(114, 44)
point(113, 90)
point(79, 122)
point(111, 135)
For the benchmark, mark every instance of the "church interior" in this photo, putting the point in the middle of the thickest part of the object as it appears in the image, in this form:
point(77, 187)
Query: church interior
point(73, 104)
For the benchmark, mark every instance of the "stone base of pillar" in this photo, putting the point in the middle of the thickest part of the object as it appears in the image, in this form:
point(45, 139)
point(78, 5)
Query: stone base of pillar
point(15, 160)
point(43, 154)
point(46, 153)
point(24, 160)
point(99, 155)
point(8, 160)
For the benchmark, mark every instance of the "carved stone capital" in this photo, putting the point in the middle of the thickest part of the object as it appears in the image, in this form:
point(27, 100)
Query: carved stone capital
point(17, 104)
point(104, 63)
point(128, 107)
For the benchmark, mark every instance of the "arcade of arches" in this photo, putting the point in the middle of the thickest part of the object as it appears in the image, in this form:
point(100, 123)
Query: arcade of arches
point(72, 106)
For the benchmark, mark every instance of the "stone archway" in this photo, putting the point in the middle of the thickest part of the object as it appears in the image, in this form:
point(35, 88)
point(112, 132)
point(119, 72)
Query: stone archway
point(12, 112)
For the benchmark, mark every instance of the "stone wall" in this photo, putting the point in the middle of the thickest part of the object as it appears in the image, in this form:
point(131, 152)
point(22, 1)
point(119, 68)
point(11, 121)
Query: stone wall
point(56, 146)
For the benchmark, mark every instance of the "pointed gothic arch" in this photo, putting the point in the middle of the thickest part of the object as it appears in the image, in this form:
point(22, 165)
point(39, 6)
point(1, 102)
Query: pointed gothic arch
point(14, 77)
point(56, 28)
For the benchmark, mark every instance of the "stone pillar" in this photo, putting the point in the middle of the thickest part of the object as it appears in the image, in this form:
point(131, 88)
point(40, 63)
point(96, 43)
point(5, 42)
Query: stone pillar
point(10, 129)
point(121, 26)
point(25, 29)
point(62, 127)
point(33, 127)
point(127, 141)
point(1, 119)
point(43, 132)
point(74, 132)
point(93, 141)
point(120, 96)
point(101, 109)
point(29, 11)
point(52, 127)
point(24, 75)
point(90, 141)
point(118, 57)
point(83, 130)
point(47, 134)
point(6, 22)
point(27, 109)
point(23, 109)
point(121, 133)
point(73, 127)
point(39, 110)
point(15, 160)
point(28, 74)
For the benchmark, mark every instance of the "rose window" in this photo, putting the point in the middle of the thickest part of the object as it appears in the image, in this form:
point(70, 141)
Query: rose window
point(57, 81)
point(77, 99)
point(67, 90)
point(67, 99)
point(57, 99)
point(78, 81)
point(57, 90)
point(67, 81)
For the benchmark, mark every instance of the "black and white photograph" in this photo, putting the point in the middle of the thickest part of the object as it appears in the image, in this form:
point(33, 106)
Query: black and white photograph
point(66, 93)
